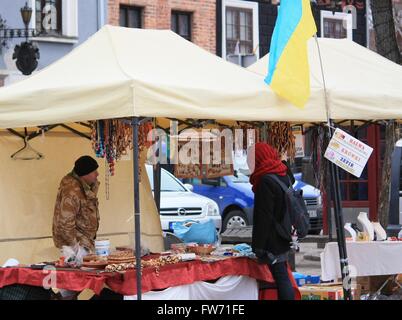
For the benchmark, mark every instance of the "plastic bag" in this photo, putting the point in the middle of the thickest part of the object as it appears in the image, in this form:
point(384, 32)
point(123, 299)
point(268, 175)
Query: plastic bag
point(243, 249)
point(73, 256)
point(191, 231)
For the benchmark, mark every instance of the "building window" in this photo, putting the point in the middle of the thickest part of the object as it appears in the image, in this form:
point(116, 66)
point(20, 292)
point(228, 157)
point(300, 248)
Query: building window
point(239, 28)
point(181, 24)
point(239, 31)
point(55, 19)
point(337, 25)
point(333, 28)
point(48, 17)
point(130, 16)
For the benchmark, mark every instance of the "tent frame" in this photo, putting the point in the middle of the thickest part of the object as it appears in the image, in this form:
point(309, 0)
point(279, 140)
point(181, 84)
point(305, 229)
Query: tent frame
point(137, 217)
point(334, 188)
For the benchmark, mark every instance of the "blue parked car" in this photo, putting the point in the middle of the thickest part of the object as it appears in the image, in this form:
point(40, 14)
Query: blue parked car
point(235, 199)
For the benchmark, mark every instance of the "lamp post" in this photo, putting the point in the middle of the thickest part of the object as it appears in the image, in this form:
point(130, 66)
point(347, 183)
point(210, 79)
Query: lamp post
point(26, 53)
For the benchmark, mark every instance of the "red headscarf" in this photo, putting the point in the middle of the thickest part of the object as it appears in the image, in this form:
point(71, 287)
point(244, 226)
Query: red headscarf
point(266, 161)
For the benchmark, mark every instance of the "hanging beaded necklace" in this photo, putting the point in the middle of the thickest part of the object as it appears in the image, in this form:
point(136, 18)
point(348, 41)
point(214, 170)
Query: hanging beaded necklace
point(111, 139)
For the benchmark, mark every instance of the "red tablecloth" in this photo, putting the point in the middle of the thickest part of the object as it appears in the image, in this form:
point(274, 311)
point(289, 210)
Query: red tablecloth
point(125, 283)
point(70, 280)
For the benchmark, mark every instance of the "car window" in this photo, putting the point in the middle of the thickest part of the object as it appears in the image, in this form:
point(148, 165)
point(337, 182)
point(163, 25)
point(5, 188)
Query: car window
point(193, 181)
point(168, 182)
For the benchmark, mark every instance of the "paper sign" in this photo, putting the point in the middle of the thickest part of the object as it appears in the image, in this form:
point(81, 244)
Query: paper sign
point(348, 152)
point(297, 131)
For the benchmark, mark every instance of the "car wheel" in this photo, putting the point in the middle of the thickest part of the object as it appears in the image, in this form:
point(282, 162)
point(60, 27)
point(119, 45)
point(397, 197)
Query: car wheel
point(234, 219)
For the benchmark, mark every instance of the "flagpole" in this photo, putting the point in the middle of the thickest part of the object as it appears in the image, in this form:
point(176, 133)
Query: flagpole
point(335, 187)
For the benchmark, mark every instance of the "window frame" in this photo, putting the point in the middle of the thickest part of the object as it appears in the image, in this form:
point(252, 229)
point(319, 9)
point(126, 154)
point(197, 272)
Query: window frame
point(59, 16)
point(342, 16)
point(241, 5)
point(134, 8)
point(189, 15)
point(237, 26)
point(69, 20)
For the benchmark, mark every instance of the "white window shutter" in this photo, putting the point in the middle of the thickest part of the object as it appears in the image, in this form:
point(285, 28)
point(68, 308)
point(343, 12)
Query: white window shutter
point(70, 18)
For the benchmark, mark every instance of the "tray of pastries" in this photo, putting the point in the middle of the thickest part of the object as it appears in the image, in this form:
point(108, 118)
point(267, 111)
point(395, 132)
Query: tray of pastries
point(122, 256)
point(94, 262)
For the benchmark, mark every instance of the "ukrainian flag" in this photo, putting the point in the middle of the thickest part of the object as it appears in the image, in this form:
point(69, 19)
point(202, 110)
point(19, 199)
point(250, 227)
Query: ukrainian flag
point(288, 70)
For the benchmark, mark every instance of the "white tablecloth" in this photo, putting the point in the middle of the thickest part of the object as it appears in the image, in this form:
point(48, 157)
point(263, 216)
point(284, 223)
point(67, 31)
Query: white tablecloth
point(226, 288)
point(365, 259)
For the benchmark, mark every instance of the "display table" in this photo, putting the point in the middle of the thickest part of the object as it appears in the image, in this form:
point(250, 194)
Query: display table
point(365, 259)
point(225, 288)
point(125, 283)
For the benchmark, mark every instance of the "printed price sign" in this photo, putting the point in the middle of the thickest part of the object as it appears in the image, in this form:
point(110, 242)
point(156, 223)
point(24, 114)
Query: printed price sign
point(348, 152)
point(299, 141)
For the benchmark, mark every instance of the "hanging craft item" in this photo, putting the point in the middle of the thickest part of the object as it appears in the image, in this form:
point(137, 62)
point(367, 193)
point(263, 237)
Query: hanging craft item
point(193, 169)
point(319, 143)
point(221, 168)
point(107, 181)
point(249, 135)
point(280, 136)
point(143, 133)
point(208, 154)
point(111, 139)
point(264, 132)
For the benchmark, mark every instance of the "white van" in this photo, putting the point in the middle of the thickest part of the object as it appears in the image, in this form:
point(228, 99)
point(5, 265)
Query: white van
point(179, 203)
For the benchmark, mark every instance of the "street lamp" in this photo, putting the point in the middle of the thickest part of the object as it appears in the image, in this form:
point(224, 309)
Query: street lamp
point(26, 53)
point(26, 14)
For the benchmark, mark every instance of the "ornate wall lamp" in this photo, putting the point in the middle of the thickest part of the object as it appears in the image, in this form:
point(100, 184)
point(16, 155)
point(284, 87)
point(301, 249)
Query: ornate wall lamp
point(26, 53)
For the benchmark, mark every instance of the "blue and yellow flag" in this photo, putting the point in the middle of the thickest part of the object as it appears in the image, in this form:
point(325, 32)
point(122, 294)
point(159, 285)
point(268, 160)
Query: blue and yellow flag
point(288, 70)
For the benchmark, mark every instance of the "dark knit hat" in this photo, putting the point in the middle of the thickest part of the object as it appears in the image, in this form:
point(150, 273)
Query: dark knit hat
point(85, 165)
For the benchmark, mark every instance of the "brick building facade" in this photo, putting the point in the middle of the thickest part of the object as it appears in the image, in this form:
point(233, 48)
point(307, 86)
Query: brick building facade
point(156, 14)
point(263, 17)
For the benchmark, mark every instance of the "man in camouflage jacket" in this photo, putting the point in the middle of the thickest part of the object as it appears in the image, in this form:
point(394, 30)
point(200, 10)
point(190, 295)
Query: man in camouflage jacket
point(76, 213)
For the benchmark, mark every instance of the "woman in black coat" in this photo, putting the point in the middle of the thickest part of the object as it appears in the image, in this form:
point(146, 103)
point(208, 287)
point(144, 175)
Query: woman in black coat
point(271, 237)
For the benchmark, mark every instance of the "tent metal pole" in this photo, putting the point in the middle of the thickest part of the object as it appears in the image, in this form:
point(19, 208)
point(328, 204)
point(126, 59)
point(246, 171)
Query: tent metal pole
point(157, 176)
point(157, 186)
point(328, 203)
point(336, 196)
point(137, 226)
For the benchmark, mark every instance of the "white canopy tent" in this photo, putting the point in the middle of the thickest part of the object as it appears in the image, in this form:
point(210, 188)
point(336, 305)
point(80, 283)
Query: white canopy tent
point(121, 72)
point(357, 84)
point(360, 83)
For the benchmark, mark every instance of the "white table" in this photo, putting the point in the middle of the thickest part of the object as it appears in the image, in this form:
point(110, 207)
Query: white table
point(365, 259)
point(226, 288)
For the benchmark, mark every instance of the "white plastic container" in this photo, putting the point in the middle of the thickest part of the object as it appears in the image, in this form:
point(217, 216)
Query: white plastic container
point(102, 247)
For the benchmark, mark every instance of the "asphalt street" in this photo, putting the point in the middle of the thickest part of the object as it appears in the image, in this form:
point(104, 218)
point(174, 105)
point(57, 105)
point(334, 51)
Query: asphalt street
point(308, 259)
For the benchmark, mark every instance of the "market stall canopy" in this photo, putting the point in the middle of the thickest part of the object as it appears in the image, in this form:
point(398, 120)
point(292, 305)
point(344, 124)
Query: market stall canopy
point(121, 72)
point(360, 83)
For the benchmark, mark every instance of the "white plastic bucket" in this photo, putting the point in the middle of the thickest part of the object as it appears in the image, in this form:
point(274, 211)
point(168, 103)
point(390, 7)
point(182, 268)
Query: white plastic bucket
point(102, 247)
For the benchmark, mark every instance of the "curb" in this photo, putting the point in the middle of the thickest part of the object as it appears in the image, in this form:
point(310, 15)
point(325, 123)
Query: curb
point(312, 257)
